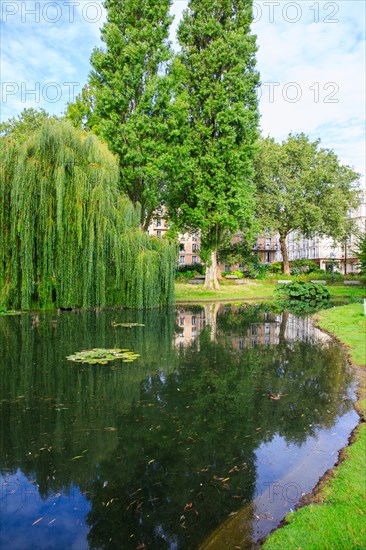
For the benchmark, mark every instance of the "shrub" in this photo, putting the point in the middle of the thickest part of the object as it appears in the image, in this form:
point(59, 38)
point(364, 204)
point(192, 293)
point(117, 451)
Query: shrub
point(307, 292)
point(200, 269)
point(277, 267)
point(238, 273)
point(304, 266)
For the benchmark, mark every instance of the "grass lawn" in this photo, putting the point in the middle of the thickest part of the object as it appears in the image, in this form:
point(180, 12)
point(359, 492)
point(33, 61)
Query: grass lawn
point(228, 291)
point(249, 291)
point(338, 518)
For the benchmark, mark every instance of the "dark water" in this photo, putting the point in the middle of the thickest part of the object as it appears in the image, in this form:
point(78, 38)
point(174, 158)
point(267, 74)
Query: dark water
point(159, 452)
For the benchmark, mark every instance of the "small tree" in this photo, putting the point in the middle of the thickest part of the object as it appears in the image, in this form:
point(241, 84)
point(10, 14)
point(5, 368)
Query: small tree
point(303, 187)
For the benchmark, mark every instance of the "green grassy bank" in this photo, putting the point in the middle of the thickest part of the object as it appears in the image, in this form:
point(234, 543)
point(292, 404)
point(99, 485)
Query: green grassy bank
point(229, 290)
point(336, 519)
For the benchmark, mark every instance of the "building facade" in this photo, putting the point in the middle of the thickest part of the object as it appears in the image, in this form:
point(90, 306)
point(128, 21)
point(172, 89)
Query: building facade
point(318, 249)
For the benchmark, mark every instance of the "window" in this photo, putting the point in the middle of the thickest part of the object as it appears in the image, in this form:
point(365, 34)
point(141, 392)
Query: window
point(193, 319)
point(268, 257)
point(227, 268)
point(158, 222)
point(194, 247)
point(182, 260)
point(181, 247)
point(158, 233)
point(194, 259)
point(181, 321)
point(194, 237)
point(268, 244)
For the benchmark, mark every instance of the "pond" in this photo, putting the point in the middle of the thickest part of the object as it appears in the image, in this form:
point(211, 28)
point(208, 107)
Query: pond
point(228, 415)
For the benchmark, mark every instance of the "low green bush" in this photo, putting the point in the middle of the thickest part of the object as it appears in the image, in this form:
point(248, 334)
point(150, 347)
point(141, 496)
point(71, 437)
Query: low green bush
point(304, 266)
point(238, 273)
point(303, 291)
point(277, 267)
point(198, 268)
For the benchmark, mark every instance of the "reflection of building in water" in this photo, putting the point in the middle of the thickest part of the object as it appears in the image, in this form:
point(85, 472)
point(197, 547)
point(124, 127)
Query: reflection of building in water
point(190, 325)
point(265, 332)
point(303, 329)
point(269, 330)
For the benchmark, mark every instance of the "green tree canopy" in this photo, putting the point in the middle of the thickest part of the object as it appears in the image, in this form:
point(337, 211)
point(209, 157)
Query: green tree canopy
point(131, 95)
point(216, 117)
point(302, 187)
point(20, 127)
point(361, 252)
point(68, 237)
point(82, 112)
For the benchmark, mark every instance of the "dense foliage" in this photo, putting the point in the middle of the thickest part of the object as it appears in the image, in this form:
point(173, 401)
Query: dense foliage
point(216, 124)
point(361, 253)
point(130, 95)
point(68, 237)
point(302, 187)
point(305, 292)
point(21, 127)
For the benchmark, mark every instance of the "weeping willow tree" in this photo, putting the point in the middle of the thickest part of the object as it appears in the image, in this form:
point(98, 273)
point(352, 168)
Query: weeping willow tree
point(68, 236)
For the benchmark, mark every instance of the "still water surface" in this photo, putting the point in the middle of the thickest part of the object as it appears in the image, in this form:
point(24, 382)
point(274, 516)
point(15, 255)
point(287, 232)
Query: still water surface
point(158, 453)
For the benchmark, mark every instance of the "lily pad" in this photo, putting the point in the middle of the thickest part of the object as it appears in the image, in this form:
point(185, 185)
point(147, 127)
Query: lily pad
point(127, 325)
point(103, 356)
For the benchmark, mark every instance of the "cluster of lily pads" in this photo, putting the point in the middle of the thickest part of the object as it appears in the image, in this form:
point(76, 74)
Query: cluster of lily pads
point(103, 356)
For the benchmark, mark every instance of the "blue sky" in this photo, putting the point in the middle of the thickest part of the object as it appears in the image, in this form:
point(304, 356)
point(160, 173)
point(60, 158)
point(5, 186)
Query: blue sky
point(311, 58)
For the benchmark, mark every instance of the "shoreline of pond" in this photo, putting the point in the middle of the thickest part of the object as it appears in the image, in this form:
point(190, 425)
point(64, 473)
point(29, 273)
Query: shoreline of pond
point(318, 495)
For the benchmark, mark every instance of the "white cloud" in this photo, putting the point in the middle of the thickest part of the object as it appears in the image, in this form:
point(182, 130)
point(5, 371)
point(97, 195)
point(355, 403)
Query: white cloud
point(319, 46)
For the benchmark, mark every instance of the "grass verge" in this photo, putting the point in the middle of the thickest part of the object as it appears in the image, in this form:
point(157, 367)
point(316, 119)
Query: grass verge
point(336, 517)
point(249, 291)
point(228, 291)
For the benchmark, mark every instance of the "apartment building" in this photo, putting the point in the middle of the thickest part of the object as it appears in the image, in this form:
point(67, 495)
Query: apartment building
point(322, 249)
point(318, 249)
point(189, 243)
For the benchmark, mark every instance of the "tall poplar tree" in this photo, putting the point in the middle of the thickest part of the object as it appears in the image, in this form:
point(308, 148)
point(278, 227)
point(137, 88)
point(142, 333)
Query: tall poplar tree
point(216, 108)
point(131, 95)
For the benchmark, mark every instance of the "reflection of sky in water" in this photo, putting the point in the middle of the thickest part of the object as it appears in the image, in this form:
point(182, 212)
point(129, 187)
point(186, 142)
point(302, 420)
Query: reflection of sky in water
point(286, 471)
point(62, 527)
point(185, 432)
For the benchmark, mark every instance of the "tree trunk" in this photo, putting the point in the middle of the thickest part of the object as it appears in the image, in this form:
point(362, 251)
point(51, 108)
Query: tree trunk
point(283, 327)
point(286, 265)
point(145, 221)
point(211, 311)
point(211, 281)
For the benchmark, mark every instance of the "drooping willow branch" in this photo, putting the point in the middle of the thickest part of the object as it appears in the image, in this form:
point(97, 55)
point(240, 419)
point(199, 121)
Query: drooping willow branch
point(68, 238)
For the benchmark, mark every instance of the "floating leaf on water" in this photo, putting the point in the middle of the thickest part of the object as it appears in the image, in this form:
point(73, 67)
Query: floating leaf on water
point(103, 356)
point(127, 325)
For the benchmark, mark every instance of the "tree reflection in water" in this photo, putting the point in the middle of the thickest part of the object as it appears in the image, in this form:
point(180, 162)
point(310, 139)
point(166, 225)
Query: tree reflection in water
point(165, 446)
